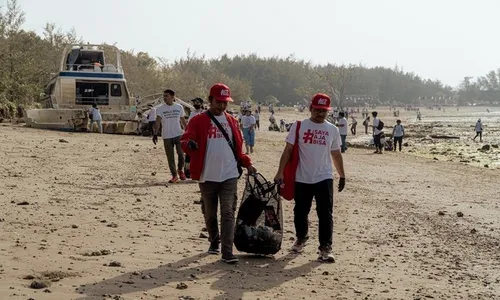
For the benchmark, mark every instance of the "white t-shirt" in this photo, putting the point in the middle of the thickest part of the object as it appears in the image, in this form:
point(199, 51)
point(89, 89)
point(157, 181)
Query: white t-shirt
point(479, 127)
point(96, 114)
point(256, 116)
point(220, 164)
point(272, 118)
point(316, 141)
point(170, 120)
point(247, 121)
point(398, 130)
point(343, 129)
point(144, 119)
point(194, 113)
point(375, 123)
point(152, 114)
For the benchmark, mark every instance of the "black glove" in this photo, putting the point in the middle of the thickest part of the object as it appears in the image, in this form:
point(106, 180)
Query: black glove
point(341, 184)
point(192, 145)
point(155, 139)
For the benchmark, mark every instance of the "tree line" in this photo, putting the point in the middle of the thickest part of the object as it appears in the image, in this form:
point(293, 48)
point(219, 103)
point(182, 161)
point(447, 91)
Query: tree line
point(28, 60)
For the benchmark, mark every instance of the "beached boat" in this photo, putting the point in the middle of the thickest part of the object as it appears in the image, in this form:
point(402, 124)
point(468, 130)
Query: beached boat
point(85, 77)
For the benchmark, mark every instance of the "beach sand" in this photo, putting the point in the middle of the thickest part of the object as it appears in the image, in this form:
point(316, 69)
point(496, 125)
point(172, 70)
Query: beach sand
point(406, 227)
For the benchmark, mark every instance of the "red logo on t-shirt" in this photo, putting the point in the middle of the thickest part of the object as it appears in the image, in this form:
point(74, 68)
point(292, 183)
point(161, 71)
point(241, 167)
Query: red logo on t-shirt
point(214, 132)
point(315, 137)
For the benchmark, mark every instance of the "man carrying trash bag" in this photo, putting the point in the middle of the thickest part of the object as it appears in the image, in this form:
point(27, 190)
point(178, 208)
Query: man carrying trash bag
point(213, 141)
point(318, 145)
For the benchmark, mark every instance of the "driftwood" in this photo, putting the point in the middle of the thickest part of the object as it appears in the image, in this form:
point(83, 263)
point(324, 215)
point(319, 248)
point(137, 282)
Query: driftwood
point(444, 136)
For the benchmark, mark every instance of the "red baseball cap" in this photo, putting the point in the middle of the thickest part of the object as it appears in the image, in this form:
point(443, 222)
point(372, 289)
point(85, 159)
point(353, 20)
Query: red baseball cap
point(221, 92)
point(321, 101)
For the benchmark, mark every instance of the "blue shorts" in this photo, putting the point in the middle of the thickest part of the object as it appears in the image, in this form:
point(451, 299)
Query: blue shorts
point(249, 136)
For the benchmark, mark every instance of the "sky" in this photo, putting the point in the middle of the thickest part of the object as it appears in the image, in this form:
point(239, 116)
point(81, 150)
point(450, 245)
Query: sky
point(436, 39)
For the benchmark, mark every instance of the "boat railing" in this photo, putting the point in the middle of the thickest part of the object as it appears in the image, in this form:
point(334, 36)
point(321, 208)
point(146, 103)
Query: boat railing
point(93, 68)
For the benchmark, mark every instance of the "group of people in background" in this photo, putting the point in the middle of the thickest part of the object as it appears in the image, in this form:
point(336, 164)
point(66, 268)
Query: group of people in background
point(373, 122)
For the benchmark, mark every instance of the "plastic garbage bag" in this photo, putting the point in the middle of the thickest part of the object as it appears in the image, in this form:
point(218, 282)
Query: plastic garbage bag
point(259, 222)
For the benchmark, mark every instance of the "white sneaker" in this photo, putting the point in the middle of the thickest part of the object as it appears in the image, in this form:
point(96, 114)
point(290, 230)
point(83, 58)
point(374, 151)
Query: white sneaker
point(326, 256)
point(298, 246)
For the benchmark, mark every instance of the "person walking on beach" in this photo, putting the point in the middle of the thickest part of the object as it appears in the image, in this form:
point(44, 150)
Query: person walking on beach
point(257, 118)
point(377, 132)
point(213, 141)
point(479, 131)
point(342, 126)
point(151, 118)
point(398, 133)
point(354, 125)
point(171, 116)
point(319, 148)
point(366, 123)
point(198, 108)
point(95, 116)
point(248, 128)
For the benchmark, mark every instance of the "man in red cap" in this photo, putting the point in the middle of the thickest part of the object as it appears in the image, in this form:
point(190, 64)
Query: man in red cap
point(319, 146)
point(213, 141)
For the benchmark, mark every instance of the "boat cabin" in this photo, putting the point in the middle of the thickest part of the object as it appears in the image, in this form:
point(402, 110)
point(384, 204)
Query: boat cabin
point(86, 78)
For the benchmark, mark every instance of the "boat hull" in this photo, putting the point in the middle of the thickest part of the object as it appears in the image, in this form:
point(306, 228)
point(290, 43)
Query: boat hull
point(76, 120)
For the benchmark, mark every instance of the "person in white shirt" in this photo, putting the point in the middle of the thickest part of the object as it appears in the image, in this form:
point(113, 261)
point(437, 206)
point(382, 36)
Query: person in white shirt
point(143, 122)
point(377, 133)
point(398, 133)
point(343, 130)
point(151, 118)
point(248, 129)
point(319, 148)
point(257, 118)
point(272, 119)
point(479, 130)
point(171, 116)
point(198, 108)
point(217, 164)
point(282, 125)
point(335, 115)
point(95, 116)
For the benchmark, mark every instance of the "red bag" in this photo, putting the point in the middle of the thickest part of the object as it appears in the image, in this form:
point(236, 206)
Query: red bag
point(287, 189)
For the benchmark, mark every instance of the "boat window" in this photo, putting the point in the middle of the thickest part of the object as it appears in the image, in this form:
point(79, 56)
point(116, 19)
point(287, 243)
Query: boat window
point(116, 90)
point(88, 93)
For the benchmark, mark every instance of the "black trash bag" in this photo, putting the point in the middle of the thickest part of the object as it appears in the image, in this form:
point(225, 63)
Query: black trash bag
point(259, 228)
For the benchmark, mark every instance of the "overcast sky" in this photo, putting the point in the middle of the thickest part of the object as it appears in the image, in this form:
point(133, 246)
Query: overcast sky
point(444, 39)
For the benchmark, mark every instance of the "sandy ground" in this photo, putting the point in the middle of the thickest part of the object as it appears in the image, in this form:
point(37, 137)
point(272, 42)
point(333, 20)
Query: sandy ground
point(397, 232)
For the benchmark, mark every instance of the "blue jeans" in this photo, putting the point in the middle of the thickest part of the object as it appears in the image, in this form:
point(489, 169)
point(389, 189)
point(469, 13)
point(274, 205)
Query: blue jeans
point(344, 146)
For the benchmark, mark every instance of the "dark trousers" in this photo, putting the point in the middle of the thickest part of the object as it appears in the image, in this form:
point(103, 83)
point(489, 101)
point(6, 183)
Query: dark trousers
point(398, 139)
point(169, 145)
point(226, 193)
point(376, 140)
point(304, 194)
point(151, 125)
point(353, 128)
point(479, 134)
point(344, 145)
point(257, 124)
